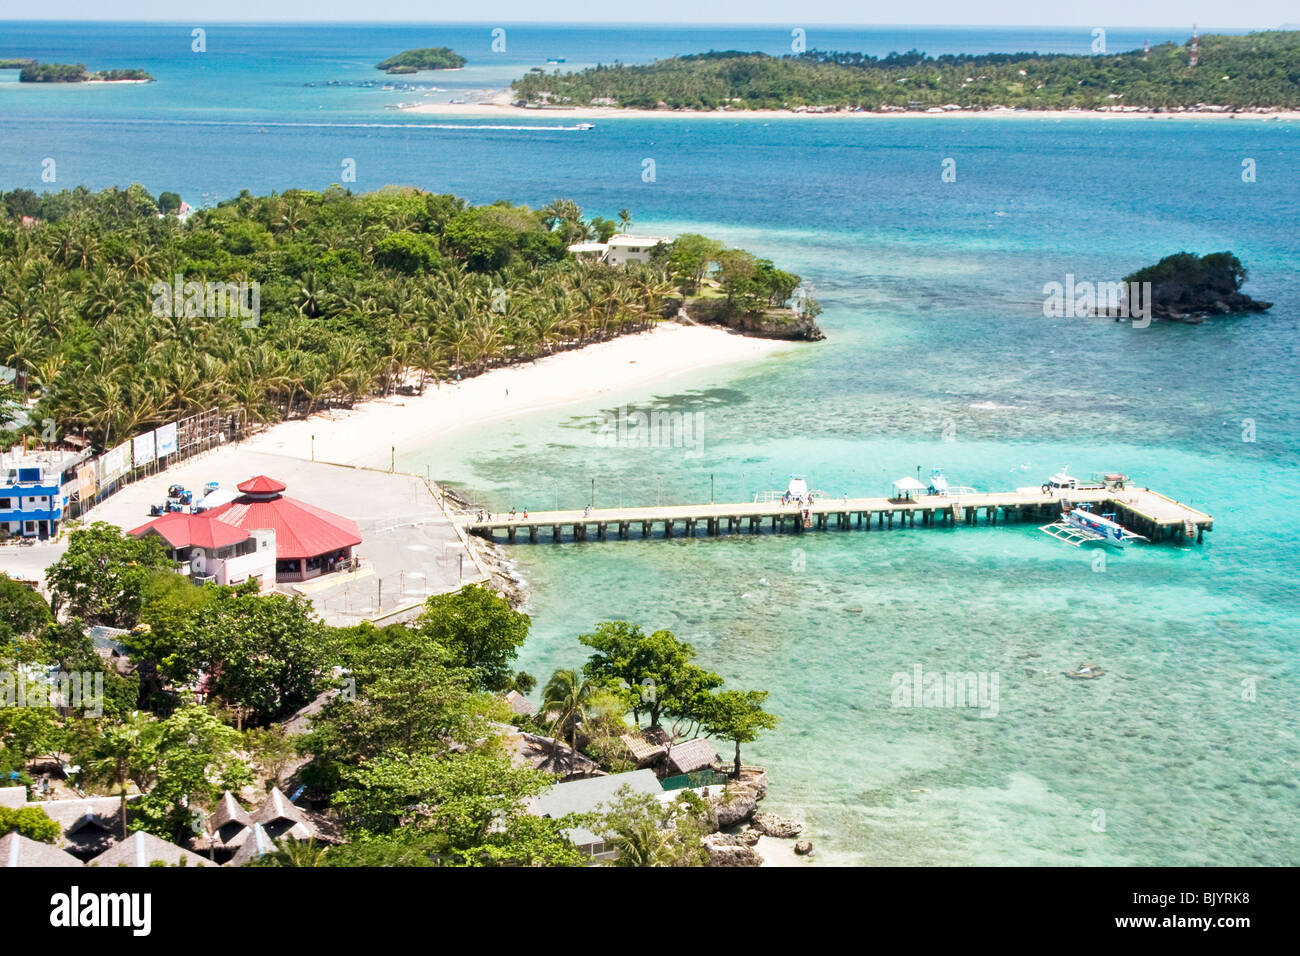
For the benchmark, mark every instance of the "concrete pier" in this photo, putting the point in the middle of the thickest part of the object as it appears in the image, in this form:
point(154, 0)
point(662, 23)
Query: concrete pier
point(1140, 510)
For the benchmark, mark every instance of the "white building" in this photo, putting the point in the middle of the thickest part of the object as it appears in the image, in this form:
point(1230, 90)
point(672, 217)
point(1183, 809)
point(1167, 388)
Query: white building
point(215, 551)
point(624, 248)
point(621, 249)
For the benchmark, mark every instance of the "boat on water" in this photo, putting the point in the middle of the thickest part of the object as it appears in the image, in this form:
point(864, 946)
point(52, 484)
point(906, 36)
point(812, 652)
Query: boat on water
point(796, 491)
point(1101, 527)
point(939, 485)
point(1079, 524)
point(585, 126)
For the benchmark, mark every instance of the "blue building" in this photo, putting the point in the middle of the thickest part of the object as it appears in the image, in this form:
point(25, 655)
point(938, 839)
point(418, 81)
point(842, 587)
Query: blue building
point(34, 491)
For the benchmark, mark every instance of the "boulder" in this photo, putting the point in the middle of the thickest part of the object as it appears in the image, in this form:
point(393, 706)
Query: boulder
point(769, 824)
point(803, 848)
point(725, 849)
point(749, 836)
point(736, 806)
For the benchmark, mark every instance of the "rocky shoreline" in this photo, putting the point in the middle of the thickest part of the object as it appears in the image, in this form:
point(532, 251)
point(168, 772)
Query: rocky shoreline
point(781, 324)
point(739, 827)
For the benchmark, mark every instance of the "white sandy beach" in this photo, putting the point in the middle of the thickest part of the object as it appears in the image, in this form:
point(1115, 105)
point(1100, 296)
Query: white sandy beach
point(365, 435)
point(500, 108)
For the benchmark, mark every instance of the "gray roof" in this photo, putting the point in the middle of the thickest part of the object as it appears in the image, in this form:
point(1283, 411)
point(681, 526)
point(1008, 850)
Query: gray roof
point(257, 845)
point(17, 850)
point(276, 806)
point(71, 814)
point(692, 755)
point(520, 704)
point(587, 796)
point(143, 849)
point(13, 797)
point(228, 811)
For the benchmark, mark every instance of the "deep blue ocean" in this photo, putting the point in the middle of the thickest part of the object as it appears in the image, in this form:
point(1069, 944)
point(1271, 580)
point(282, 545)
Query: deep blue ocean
point(938, 354)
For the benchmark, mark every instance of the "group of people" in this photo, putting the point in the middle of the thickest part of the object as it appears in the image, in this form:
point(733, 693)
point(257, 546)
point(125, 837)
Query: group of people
point(513, 515)
point(788, 499)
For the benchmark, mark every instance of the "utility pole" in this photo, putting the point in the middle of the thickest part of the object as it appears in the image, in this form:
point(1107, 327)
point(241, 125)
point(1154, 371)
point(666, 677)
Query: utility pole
point(593, 494)
point(710, 487)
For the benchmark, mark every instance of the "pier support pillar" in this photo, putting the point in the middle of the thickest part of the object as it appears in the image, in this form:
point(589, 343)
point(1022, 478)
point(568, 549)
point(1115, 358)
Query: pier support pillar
point(510, 534)
point(668, 527)
point(645, 529)
point(622, 528)
point(556, 533)
point(532, 534)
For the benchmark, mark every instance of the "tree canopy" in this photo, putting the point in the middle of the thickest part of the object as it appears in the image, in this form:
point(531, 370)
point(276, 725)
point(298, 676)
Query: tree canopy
point(1254, 70)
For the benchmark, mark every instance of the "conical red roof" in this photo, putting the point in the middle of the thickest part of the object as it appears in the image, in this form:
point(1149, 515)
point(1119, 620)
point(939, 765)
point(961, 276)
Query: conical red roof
point(301, 530)
point(261, 485)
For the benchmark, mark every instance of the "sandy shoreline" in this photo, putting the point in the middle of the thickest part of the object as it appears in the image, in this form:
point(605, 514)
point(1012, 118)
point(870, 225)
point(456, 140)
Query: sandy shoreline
point(366, 434)
point(504, 110)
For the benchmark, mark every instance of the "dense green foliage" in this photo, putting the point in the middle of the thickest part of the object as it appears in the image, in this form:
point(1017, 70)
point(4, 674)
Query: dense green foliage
point(645, 831)
point(480, 629)
point(33, 72)
point(1215, 271)
point(426, 58)
point(102, 576)
point(407, 751)
point(32, 822)
point(355, 292)
point(23, 612)
point(1255, 70)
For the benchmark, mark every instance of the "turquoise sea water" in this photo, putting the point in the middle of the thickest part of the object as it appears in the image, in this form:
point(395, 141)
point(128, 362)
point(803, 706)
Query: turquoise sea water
point(933, 308)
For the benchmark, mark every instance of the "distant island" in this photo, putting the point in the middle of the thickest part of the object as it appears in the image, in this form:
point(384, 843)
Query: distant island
point(34, 72)
point(429, 58)
point(1188, 287)
point(1253, 71)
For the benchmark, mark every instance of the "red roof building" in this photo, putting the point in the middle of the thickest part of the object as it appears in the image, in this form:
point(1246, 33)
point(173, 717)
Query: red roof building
point(182, 531)
point(309, 541)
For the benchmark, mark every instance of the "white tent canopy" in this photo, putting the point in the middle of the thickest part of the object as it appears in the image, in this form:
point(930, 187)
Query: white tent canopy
point(905, 487)
point(216, 498)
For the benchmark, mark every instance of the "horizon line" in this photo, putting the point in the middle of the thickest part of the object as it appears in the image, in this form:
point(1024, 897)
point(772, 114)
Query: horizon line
point(644, 23)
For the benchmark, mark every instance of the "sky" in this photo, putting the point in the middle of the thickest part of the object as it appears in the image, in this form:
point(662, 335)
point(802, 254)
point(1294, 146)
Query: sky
point(1108, 13)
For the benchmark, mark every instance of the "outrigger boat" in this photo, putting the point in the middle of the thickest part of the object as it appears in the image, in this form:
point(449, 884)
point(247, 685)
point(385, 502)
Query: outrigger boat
point(1079, 526)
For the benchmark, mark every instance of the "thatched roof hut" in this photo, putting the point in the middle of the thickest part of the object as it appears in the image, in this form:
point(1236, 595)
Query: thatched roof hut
point(17, 850)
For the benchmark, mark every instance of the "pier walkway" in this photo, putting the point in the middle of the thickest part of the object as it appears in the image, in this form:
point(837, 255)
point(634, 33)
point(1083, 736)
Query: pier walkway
point(1140, 510)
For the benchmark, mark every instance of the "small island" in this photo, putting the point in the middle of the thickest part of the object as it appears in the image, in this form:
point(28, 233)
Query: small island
point(34, 72)
point(1187, 287)
point(1227, 73)
point(428, 58)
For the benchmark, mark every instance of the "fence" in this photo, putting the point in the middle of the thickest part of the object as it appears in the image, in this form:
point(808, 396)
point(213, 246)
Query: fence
point(149, 453)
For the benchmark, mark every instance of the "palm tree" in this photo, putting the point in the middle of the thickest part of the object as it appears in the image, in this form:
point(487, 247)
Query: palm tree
point(624, 220)
point(114, 757)
point(567, 695)
point(640, 842)
point(291, 852)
